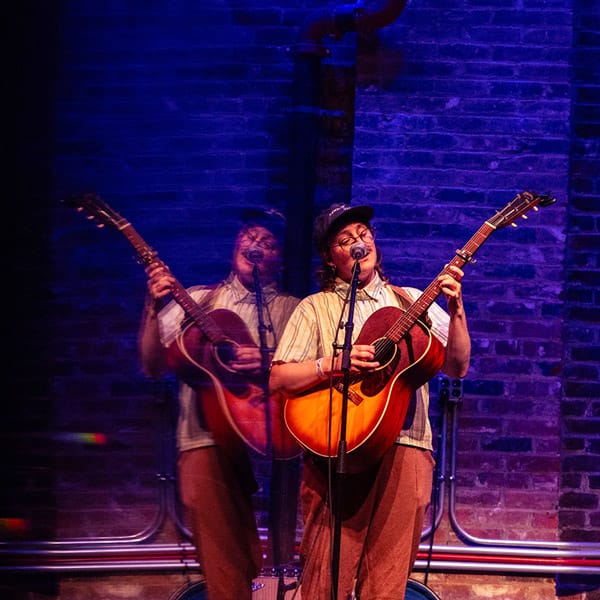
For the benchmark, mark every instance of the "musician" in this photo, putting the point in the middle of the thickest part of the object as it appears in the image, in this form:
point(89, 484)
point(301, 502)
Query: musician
point(383, 504)
point(216, 481)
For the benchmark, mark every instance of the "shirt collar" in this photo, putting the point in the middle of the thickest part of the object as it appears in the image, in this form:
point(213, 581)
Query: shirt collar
point(245, 296)
point(372, 291)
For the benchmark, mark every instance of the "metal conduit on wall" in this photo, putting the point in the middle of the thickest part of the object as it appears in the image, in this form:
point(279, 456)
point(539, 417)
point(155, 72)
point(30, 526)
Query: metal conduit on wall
point(450, 405)
point(307, 111)
point(135, 553)
point(173, 557)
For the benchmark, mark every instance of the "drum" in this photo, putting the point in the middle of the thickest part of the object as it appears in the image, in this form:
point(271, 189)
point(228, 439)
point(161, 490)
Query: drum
point(418, 591)
point(191, 591)
point(266, 587)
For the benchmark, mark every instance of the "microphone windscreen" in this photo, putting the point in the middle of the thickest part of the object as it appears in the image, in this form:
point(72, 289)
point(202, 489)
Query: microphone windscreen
point(358, 250)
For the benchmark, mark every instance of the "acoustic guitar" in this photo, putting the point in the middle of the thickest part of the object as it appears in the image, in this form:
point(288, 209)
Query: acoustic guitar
point(409, 356)
point(237, 408)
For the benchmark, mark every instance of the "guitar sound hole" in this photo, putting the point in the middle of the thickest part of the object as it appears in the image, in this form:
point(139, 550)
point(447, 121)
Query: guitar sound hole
point(385, 351)
point(225, 351)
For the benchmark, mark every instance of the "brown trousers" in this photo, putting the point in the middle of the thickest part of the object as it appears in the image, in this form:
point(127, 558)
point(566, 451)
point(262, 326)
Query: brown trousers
point(382, 522)
point(217, 495)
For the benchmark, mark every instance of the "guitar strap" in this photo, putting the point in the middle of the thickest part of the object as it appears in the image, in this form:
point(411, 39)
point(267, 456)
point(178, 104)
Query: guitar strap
point(205, 304)
point(406, 301)
point(237, 453)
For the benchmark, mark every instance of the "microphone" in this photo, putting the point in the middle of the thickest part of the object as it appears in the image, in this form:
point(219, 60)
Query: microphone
point(358, 250)
point(254, 255)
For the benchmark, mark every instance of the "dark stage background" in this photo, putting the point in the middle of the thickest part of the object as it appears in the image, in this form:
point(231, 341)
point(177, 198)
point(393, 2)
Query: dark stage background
point(179, 114)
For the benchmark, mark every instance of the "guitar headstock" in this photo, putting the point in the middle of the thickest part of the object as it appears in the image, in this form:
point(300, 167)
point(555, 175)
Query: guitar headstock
point(97, 209)
point(518, 206)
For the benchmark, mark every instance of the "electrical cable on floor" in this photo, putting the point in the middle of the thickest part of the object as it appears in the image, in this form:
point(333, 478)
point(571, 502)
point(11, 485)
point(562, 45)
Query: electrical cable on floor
point(444, 396)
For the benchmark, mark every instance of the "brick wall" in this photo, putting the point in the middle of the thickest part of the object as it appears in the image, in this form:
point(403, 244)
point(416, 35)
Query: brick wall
point(178, 115)
point(579, 513)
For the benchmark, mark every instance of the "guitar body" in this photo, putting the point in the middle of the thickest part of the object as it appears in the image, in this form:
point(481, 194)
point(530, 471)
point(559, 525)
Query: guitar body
point(233, 405)
point(377, 403)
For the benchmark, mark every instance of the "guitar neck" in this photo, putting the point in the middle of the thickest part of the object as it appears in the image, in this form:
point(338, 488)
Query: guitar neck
point(433, 290)
point(522, 203)
point(148, 256)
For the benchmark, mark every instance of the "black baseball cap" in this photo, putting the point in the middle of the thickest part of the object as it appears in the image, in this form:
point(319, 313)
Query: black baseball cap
point(332, 219)
point(269, 218)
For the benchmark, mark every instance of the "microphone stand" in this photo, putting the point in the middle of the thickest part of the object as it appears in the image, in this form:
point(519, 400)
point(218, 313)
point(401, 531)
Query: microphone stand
point(265, 353)
point(336, 504)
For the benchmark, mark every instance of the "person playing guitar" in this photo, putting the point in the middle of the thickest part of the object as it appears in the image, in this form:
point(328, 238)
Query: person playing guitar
point(388, 479)
point(222, 368)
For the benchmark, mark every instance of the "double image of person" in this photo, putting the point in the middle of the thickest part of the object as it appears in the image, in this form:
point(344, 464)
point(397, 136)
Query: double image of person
point(384, 501)
point(222, 372)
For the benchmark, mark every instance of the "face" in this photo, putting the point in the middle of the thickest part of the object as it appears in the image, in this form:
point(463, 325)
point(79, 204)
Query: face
point(259, 242)
point(339, 252)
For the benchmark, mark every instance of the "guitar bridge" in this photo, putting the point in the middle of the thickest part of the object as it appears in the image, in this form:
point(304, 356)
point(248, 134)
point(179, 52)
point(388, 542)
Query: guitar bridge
point(353, 396)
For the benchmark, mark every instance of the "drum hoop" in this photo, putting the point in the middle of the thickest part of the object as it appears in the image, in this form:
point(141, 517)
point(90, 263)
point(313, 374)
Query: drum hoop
point(424, 593)
point(193, 590)
point(196, 590)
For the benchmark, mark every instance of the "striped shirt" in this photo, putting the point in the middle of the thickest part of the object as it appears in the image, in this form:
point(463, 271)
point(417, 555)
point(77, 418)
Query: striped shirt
point(316, 328)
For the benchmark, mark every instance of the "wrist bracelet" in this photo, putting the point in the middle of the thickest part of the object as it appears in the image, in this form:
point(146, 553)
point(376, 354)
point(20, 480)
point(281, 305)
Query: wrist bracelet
point(319, 368)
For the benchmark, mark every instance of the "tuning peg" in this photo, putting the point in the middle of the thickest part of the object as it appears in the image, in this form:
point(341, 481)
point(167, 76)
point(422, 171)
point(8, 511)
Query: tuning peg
point(524, 217)
point(513, 224)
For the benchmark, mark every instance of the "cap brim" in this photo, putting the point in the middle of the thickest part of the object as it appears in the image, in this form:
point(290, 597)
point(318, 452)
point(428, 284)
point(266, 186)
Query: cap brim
point(271, 215)
point(358, 214)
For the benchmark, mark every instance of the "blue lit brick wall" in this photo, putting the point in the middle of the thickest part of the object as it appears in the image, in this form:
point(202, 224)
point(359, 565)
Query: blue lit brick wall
point(179, 114)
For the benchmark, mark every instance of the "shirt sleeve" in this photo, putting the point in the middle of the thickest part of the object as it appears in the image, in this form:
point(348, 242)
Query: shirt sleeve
point(299, 341)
